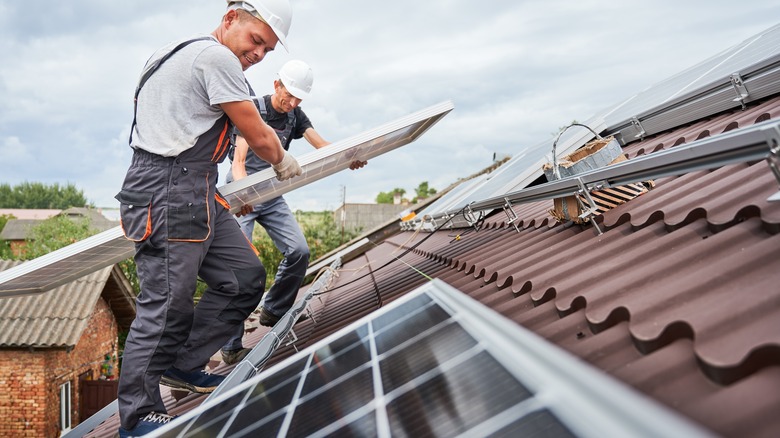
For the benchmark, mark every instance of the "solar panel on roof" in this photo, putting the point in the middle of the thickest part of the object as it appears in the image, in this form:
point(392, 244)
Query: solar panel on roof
point(744, 73)
point(109, 247)
point(433, 363)
point(517, 173)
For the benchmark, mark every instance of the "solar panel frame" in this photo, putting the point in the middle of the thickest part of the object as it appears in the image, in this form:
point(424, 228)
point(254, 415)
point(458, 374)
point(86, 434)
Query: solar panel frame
point(559, 392)
point(66, 264)
point(262, 186)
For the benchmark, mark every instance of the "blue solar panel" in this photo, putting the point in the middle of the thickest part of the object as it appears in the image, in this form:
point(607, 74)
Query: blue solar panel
point(422, 366)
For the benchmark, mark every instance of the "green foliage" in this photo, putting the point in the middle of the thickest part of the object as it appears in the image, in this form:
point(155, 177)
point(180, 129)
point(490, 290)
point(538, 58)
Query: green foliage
point(5, 246)
point(4, 220)
point(129, 269)
point(55, 233)
point(39, 195)
point(322, 235)
point(423, 191)
point(5, 250)
point(387, 197)
point(384, 198)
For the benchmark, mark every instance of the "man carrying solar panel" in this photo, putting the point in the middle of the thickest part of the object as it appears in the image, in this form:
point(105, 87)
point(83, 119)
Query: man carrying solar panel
point(188, 94)
point(282, 112)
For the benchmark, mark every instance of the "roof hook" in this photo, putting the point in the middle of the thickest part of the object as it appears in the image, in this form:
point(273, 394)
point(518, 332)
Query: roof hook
point(740, 89)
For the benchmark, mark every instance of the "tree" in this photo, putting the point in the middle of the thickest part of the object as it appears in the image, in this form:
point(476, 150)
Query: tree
point(387, 197)
point(5, 247)
point(322, 236)
point(384, 198)
point(55, 233)
point(423, 191)
point(39, 195)
point(4, 220)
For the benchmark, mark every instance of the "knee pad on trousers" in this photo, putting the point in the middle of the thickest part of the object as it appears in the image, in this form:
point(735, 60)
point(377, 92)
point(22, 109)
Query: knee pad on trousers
point(298, 256)
point(251, 285)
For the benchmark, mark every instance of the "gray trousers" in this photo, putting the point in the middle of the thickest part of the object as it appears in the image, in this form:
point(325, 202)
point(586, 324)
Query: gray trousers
point(168, 208)
point(280, 224)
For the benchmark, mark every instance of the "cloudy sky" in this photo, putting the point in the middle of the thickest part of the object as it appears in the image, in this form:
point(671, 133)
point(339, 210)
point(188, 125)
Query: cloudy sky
point(516, 71)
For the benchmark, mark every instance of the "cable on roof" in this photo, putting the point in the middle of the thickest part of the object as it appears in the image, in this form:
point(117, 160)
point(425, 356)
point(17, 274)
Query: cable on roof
point(477, 225)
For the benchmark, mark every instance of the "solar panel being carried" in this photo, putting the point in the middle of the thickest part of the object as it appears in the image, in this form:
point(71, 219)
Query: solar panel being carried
point(434, 363)
point(82, 258)
point(263, 185)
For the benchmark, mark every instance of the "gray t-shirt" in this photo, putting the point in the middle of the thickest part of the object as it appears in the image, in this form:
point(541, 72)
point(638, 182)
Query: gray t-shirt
point(180, 101)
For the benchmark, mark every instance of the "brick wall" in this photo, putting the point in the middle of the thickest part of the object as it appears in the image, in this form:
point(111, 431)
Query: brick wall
point(30, 407)
point(23, 398)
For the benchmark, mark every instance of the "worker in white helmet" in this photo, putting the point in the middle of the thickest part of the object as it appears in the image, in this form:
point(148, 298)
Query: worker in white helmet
point(282, 111)
point(190, 94)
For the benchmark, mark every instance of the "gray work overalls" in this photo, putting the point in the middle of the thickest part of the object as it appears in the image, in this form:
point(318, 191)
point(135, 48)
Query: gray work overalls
point(182, 229)
point(281, 226)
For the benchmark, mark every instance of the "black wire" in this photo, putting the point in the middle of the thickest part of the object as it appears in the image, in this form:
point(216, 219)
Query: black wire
point(370, 272)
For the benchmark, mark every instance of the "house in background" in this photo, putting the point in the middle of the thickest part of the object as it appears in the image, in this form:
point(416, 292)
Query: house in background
point(362, 217)
point(30, 213)
point(16, 230)
point(59, 352)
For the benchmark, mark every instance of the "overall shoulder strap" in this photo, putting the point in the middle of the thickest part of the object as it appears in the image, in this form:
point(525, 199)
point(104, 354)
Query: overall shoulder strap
point(149, 72)
point(291, 119)
point(262, 108)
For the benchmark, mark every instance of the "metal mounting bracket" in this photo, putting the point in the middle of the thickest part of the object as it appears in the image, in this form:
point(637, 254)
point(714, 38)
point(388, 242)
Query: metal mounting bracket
point(773, 160)
point(740, 89)
point(510, 214)
point(468, 214)
point(311, 314)
point(638, 125)
point(293, 338)
point(589, 211)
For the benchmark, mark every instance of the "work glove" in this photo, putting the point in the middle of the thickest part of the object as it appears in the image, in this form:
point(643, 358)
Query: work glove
point(287, 168)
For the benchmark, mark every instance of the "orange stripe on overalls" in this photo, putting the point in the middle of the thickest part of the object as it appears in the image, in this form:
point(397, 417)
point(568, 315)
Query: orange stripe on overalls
point(221, 144)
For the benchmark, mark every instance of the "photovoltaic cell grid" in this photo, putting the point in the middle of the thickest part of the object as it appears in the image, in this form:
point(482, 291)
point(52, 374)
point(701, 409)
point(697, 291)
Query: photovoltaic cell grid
point(748, 57)
point(412, 369)
point(413, 372)
point(66, 264)
point(264, 185)
point(109, 247)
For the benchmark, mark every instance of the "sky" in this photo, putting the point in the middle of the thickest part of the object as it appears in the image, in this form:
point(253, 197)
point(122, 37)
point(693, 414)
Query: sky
point(516, 71)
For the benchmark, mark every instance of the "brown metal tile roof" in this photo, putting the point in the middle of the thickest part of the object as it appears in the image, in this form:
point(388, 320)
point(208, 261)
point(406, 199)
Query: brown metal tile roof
point(678, 298)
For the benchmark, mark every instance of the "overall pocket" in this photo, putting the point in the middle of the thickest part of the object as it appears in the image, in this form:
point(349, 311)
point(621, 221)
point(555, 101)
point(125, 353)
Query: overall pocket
point(189, 223)
point(135, 214)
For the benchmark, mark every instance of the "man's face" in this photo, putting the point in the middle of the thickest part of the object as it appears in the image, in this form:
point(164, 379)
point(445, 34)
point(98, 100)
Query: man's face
point(283, 100)
point(248, 38)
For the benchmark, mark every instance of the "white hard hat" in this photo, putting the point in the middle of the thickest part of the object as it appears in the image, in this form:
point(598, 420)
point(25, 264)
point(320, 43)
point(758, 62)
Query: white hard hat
point(297, 78)
point(276, 13)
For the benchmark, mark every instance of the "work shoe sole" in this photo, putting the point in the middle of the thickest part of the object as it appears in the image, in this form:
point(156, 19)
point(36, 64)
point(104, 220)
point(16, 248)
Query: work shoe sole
point(146, 424)
point(178, 384)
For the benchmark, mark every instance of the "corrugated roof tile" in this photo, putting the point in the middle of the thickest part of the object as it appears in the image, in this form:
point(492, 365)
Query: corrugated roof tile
point(51, 319)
